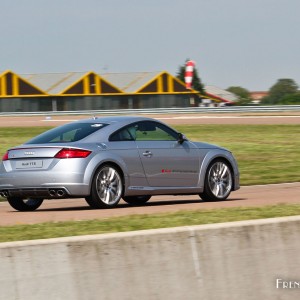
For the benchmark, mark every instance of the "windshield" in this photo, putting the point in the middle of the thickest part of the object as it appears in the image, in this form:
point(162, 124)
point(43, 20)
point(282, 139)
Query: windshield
point(67, 133)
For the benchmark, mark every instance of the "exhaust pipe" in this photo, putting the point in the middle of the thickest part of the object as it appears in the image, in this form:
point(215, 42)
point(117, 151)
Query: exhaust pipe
point(5, 194)
point(1, 194)
point(60, 193)
point(52, 193)
point(56, 193)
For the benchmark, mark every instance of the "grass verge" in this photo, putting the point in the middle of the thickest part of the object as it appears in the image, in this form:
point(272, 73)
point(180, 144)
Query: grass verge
point(265, 153)
point(140, 222)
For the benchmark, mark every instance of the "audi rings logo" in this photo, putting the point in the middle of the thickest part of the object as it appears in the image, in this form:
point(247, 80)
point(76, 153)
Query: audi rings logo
point(28, 153)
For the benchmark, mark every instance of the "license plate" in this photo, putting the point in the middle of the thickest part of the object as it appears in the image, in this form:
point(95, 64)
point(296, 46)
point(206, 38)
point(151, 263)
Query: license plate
point(29, 164)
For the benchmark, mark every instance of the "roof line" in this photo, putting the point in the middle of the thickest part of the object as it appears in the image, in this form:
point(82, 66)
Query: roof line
point(150, 81)
point(60, 81)
point(74, 83)
point(106, 81)
point(143, 75)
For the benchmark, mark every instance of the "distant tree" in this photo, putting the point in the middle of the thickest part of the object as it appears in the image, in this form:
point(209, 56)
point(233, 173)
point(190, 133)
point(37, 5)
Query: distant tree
point(290, 99)
point(196, 82)
point(281, 89)
point(243, 95)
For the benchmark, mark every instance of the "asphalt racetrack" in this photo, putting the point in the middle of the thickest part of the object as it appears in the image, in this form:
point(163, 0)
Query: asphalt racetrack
point(77, 209)
point(171, 119)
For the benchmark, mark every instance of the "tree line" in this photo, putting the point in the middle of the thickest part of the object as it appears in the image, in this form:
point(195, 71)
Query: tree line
point(284, 92)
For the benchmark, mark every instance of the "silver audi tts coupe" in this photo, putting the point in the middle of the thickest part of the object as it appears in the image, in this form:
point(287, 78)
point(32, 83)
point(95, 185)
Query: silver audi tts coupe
point(109, 158)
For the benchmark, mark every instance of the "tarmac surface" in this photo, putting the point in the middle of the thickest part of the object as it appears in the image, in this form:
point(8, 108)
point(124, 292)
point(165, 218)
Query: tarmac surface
point(77, 209)
point(171, 119)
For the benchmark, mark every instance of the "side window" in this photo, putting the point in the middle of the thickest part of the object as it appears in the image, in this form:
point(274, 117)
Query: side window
point(125, 134)
point(152, 131)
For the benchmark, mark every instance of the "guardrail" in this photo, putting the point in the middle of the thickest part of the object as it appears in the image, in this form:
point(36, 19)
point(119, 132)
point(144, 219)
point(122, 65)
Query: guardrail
point(173, 110)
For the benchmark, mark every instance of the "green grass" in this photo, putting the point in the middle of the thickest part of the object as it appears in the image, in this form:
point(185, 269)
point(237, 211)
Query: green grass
point(140, 222)
point(13, 136)
point(265, 153)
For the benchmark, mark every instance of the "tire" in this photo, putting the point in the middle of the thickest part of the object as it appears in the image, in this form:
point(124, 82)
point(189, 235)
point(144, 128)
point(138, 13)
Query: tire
point(218, 181)
point(20, 204)
point(136, 200)
point(107, 188)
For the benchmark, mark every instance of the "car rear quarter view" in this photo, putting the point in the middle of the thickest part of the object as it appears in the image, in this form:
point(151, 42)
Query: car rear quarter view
point(106, 159)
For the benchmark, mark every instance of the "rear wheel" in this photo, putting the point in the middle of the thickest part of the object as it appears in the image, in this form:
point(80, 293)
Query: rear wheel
point(107, 188)
point(136, 200)
point(28, 204)
point(218, 181)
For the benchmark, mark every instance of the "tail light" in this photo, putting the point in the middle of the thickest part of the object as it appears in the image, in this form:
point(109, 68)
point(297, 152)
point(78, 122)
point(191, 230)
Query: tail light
point(5, 156)
point(72, 153)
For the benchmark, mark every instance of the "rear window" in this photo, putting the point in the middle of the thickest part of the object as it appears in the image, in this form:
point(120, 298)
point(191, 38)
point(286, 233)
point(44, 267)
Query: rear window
point(67, 133)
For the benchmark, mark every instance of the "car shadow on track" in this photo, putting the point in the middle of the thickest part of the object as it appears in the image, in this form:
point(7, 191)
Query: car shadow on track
point(148, 204)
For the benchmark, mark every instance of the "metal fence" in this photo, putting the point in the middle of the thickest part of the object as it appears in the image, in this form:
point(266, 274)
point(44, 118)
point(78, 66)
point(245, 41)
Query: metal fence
point(173, 110)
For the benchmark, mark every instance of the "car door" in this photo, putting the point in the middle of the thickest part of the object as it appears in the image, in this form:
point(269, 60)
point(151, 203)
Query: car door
point(166, 162)
point(123, 145)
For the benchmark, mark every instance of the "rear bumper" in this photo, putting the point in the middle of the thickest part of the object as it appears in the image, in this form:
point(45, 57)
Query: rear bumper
point(44, 184)
point(35, 193)
point(47, 192)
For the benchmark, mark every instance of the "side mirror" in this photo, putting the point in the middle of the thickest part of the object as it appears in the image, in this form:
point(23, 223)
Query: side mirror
point(181, 138)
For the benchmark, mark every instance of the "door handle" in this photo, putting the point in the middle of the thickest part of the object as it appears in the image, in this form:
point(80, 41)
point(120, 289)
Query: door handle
point(147, 153)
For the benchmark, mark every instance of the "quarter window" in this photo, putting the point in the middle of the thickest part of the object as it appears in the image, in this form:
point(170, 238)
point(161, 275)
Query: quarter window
point(71, 132)
point(122, 135)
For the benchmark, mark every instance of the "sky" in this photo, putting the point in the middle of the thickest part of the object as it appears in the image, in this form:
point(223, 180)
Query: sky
point(243, 43)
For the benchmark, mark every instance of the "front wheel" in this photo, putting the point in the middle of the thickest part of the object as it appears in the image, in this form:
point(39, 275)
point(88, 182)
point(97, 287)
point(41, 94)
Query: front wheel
point(218, 181)
point(136, 200)
point(20, 204)
point(107, 188)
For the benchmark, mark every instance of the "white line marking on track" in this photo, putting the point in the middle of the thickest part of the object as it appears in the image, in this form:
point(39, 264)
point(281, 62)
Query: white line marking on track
point(191, 118)
point(225, 117)
point(51, 120)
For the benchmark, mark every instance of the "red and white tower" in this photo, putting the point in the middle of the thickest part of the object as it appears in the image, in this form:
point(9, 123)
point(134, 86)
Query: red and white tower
point(189, 73)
